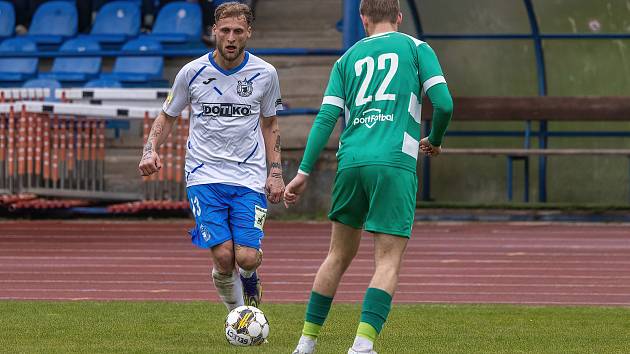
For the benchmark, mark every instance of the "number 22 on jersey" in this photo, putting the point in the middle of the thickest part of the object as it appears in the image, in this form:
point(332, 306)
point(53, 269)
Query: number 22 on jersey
point(368, 63)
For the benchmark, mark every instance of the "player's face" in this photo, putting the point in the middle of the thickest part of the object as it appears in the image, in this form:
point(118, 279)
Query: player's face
point(232, 34)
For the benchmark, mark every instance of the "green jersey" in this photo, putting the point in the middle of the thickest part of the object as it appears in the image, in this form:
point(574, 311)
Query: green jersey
point(379, 84)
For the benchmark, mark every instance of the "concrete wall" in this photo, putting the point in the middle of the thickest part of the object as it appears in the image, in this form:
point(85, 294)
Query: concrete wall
point(503, 68)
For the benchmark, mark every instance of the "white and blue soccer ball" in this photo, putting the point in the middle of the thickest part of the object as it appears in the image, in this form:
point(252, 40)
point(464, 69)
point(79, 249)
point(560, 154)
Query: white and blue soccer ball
point(246, 326)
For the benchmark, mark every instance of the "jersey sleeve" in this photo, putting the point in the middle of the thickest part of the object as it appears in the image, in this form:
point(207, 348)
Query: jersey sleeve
point(272, 100)
point(179, 96)
point(325, 121)
point(334, 94)
point(431, 76)
point(430, 71)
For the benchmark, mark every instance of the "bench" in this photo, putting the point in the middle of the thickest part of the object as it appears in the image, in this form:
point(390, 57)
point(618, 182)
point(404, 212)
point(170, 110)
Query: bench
point(532, 109)
point(524, 154)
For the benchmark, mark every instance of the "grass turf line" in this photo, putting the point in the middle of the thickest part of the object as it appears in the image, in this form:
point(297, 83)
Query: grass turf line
point(197, 327)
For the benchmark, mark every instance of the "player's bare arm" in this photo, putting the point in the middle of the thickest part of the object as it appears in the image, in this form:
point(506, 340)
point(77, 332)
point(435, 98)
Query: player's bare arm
point(274, 187)
point(150, 161)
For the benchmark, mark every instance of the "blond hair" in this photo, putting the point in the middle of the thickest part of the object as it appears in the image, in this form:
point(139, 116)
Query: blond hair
point(234, 9)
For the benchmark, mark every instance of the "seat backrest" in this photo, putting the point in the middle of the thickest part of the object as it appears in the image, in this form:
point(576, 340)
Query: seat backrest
point(56, 18)
point(96, 83)
point(98, 4)
point(83, 65)
point(18, 65)
point(7, 19)
point(179, 17)
point(44, 83)
point(140, 65)
point(118, 17)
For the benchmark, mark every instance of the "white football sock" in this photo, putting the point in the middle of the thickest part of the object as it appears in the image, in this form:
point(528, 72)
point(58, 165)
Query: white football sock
point(246, 273)
point(362, 344)
point(229, 288)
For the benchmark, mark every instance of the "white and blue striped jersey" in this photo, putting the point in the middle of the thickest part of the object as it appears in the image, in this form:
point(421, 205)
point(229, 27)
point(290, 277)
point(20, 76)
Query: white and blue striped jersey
point(225, 142)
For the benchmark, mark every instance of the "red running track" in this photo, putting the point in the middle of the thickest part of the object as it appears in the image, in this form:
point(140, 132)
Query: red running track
point(559, 264)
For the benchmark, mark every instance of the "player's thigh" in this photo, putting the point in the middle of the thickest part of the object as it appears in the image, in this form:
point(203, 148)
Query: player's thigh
point(349, 203)
point(392, 194)
point(344, 241)
point(389, 250)
point(248, 211)
point(210, 211)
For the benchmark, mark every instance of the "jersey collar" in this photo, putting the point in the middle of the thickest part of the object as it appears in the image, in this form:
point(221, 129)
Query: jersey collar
point(380, 34)
point(231, 71)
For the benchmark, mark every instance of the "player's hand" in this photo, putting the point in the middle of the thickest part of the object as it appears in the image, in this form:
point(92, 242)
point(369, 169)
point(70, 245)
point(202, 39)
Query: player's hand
point(150, 163)
point(274, 188)
point(294, 189)
point(428, 148)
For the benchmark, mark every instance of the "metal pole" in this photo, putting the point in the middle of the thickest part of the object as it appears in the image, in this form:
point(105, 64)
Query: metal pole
point(542, 91)
point(352, 26)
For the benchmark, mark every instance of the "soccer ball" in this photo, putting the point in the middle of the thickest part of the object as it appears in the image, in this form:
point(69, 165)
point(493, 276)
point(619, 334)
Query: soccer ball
point(245, 326)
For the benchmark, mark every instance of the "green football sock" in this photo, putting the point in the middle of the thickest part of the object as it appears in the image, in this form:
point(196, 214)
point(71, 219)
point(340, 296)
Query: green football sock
point(376, 306)
point(366, 330)
point(316, 313)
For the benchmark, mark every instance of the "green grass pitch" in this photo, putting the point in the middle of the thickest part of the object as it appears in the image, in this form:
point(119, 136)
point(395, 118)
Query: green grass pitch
point(197, 327)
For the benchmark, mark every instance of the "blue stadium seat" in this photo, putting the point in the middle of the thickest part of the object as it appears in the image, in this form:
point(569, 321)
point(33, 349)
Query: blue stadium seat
point(98, 4)
point(53, 22)
point(116, 22)
point(140, 70)
point(7, 19)
point(77, 69)
point(178, 23)
point(44, 83)
point(16, 70)
point(103, 83)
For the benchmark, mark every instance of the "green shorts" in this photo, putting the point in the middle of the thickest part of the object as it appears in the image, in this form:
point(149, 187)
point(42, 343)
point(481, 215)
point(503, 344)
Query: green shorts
point(376, 198)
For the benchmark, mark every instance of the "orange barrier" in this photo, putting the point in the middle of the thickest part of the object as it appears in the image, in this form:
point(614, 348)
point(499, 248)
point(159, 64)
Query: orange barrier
point(38, 145)
point(51, 152)
point(46, 143)
point(55, 151)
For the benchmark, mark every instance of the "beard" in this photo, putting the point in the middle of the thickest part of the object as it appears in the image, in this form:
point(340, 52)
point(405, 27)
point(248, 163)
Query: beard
point(230, 56)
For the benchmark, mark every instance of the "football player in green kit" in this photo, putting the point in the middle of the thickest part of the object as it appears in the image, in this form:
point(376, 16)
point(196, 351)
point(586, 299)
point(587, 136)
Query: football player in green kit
point(379, 84)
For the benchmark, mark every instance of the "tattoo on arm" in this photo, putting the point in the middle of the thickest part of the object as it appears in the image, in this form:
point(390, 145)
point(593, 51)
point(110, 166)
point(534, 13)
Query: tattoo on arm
point(156, 131)
point(148, 147)
point(276, 147)
point(276, 170)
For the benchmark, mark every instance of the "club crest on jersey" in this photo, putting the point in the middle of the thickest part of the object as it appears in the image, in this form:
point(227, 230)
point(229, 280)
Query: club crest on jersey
point(244, 88)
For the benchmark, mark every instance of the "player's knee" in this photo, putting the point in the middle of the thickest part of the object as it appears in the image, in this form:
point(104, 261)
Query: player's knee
point(248, 258)
point(389, 269)
point(340, 261)
point(223, 260)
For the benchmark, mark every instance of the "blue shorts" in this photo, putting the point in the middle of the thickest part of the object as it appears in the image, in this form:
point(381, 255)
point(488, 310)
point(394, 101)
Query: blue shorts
point(224, 212)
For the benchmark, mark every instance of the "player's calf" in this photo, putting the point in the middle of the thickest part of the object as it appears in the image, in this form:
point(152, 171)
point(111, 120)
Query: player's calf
point(249, 260)
point(229, 288)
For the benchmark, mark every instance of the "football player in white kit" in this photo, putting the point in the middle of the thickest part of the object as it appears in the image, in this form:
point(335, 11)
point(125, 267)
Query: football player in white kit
point(233, 135)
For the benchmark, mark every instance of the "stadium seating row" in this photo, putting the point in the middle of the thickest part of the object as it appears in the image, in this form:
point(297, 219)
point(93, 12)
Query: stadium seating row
point(178, 24)
point(130, 71)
